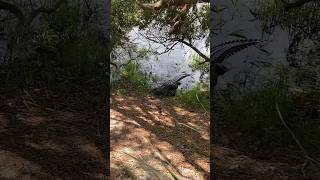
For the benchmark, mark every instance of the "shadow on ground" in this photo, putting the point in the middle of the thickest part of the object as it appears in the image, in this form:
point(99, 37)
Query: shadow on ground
point(162, 134)
point(150, 135)
point(58, 144)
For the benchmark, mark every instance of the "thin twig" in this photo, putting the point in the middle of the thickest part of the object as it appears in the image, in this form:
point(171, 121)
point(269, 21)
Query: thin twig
point(201, 103)
point(291, 132)
point(305, 153)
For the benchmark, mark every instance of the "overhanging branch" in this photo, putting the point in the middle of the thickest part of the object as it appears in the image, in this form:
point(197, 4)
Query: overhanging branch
point(40, 10)
point(28, 19)
point(206, 58)
point(296, 4)
point(166, 3)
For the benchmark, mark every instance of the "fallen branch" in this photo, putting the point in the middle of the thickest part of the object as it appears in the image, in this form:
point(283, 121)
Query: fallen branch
point(296, 4)
point(302, 149)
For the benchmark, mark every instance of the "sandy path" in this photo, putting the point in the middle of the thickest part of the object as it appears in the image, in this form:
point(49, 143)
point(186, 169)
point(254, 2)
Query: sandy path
point(163, 135)
point(149, 135)
point(59, 144)
point(149, 138)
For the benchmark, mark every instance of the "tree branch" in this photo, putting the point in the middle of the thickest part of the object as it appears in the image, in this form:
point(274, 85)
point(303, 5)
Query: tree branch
point(88, 7)
point(166, 3)
point(206, 58)
point(296, 4)
point(36, 12)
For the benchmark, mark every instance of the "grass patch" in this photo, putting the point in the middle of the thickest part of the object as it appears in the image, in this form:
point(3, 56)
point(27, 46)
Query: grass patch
point(253, 119)
point(133, 78)
point(197, 97)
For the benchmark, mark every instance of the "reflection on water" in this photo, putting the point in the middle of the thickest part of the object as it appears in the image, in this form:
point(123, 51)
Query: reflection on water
point(238, 19)
point(168, 65)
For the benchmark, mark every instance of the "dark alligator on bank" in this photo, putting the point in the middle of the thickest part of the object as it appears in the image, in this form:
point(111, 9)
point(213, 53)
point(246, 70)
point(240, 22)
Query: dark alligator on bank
point(170, 87)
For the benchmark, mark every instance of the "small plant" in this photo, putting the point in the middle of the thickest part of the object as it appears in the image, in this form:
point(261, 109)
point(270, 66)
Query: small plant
point(195, 63)
point(255, 119)
point(131, 76)
point(198, 97)
point(152, 170)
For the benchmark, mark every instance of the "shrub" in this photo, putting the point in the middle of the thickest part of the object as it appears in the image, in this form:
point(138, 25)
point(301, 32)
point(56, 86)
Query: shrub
point(253, 117)
point(132, 77)
point(197, 97)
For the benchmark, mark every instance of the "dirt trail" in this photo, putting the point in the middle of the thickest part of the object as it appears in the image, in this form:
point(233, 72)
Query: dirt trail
point(234, 165)
point(149, 133)
point(149, 138)
point(165, 135)
point(56, 144)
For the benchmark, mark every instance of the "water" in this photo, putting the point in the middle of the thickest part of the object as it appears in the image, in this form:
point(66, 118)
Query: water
point(168, 65)
point(238, 18)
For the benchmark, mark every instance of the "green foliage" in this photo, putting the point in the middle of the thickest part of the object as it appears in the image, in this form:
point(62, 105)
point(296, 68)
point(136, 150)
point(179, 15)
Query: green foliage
point(197, 97)
point(197, 24)
point(63, 47)
point(77, 44)
point(273, 12)
point(127, 14)
point(254, 118)
point(195, 63)
point(124, 16)
point(132, 77)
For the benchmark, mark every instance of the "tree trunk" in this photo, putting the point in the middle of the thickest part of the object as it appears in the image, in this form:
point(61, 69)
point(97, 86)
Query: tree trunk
point(105, 129)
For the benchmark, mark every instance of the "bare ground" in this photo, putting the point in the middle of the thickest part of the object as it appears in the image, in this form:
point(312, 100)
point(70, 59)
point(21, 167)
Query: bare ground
point(57, 143)
point(149, 138)
point(148, 133)
point(166, 136)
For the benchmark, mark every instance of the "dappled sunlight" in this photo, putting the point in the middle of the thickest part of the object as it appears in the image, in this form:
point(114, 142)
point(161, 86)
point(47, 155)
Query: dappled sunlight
point(146, 119)
point(150, 131)
point(139, 109)
point(180, 111)
point(130, 98)
point(167, 121)
point(32, 121)
point(114, 123)
point(164, 120)
point(91, 149)
point(203, 131)
point(46, 144)
point(169, 152)
point(204, 164)
point(232, 160)
point(188, 170)
point(141, 133)
point(143, 149)
point(134, 138)
point(15, 166)
point(124, 108)
point(119, 99)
